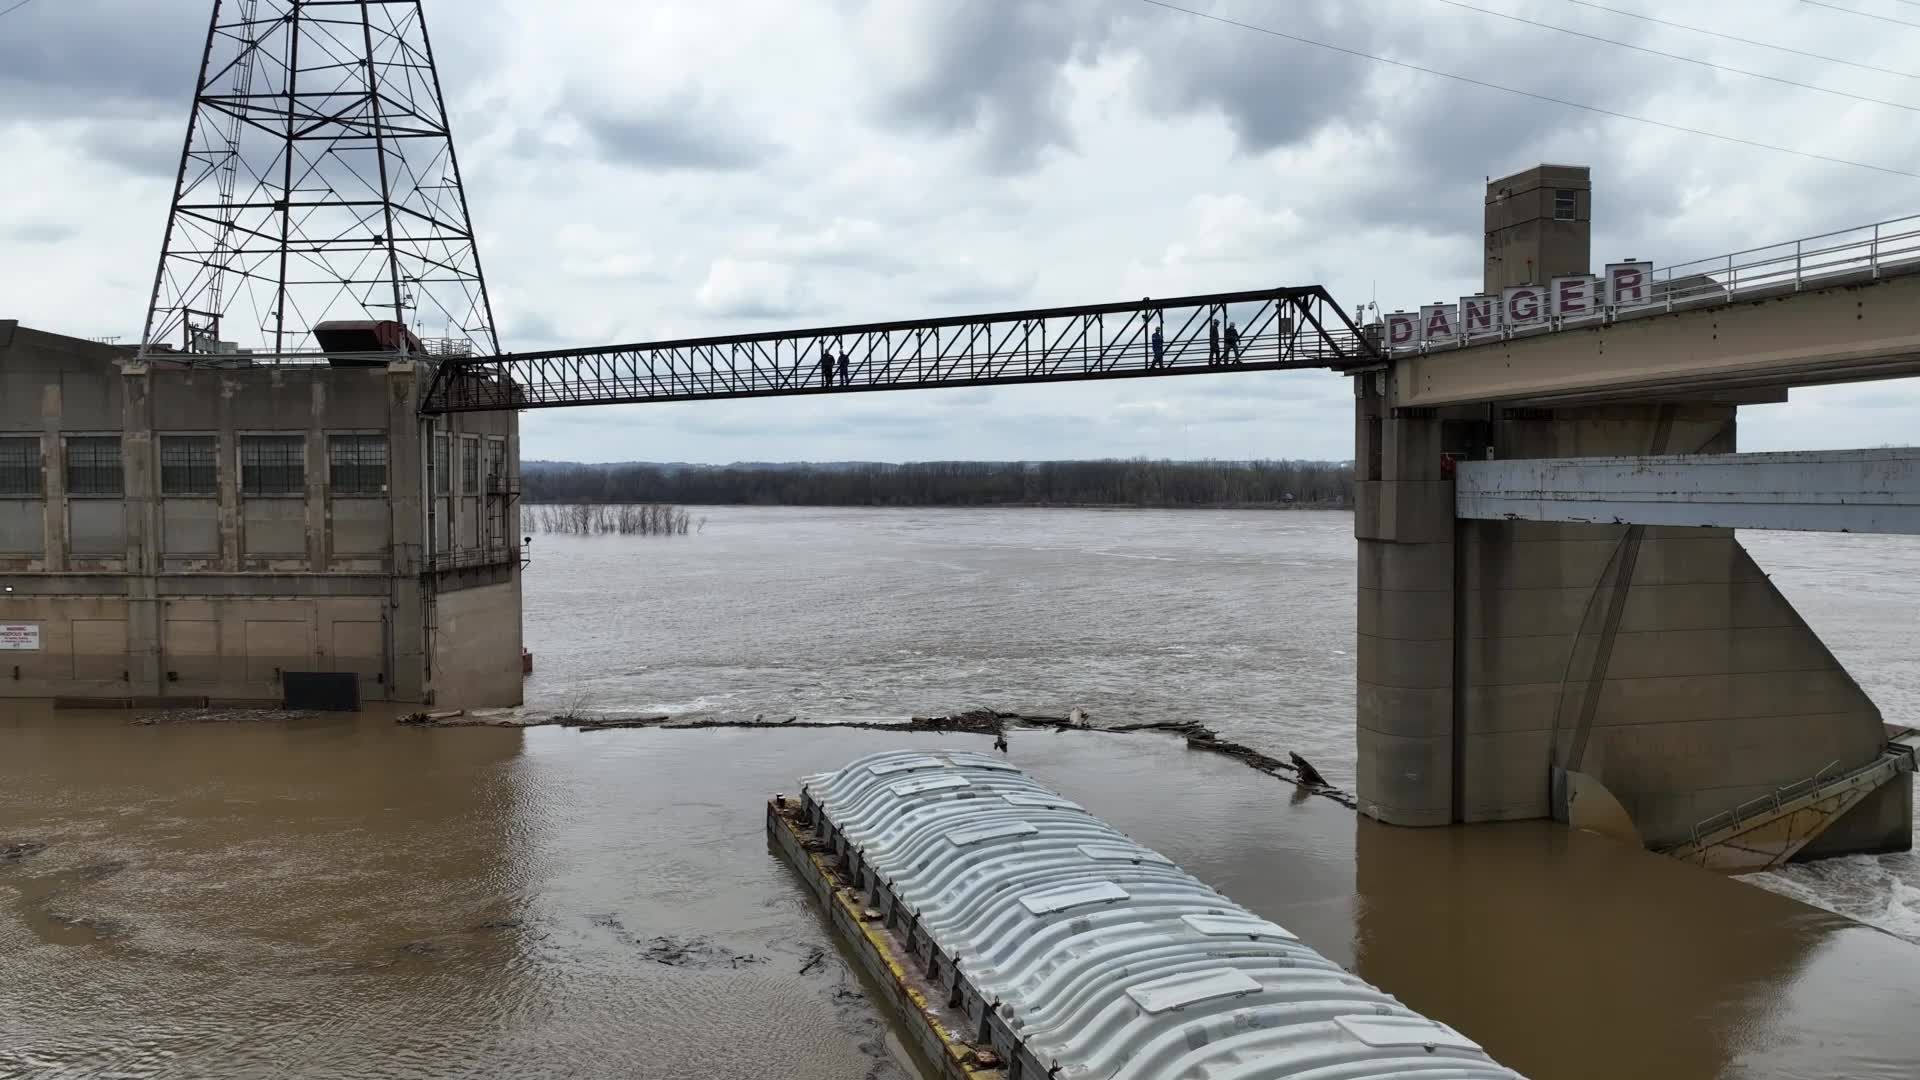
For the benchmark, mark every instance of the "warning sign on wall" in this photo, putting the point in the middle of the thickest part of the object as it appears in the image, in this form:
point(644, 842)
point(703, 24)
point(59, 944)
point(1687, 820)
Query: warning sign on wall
point(19, 637)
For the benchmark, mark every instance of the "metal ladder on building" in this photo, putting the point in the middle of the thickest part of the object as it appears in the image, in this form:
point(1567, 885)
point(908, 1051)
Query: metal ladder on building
point(1764, 832)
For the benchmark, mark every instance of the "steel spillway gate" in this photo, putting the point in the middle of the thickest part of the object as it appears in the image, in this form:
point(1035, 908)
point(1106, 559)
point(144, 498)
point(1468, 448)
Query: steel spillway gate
point(1077, 953)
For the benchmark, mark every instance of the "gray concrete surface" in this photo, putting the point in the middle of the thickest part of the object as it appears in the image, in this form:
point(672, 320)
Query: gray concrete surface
point(218, 593)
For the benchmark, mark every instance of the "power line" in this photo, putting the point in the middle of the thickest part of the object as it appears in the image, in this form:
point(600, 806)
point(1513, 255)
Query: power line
point(1526, 93)
point(1677, 56)
point(16, 7)
point(1862, 14)
point(1749, 41)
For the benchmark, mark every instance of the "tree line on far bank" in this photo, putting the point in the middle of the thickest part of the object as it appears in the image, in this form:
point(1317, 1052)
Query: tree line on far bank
point(950, 483)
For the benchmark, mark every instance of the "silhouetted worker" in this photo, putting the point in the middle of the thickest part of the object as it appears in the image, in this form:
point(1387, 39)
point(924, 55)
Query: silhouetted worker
point(1159, 348)
point(1213, 342)
point(1233, 343)
point(843, 370)
point(826, 367)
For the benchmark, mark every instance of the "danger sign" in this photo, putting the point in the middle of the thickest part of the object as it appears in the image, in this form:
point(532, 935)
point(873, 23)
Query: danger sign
point(19, 637)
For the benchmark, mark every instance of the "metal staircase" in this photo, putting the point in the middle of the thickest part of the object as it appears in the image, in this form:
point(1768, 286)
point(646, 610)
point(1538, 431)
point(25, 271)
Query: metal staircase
point(1764, 832)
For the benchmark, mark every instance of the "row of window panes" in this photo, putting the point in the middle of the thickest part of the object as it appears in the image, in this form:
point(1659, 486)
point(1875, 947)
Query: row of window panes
point(469, 464)
point(189, 465)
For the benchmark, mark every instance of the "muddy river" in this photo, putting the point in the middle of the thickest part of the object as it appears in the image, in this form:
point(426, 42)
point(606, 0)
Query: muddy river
point(350, 898)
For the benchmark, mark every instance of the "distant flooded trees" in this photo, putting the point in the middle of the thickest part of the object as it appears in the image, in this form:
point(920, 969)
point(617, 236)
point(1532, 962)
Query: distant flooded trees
point(950, 483)
point(652, 519)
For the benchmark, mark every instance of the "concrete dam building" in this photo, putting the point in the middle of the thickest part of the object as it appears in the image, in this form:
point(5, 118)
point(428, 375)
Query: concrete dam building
point(1658, 661)
point(181, 532)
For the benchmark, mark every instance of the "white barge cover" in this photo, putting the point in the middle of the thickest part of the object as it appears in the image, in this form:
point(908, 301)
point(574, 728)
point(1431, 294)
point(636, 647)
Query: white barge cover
point(1079, 953)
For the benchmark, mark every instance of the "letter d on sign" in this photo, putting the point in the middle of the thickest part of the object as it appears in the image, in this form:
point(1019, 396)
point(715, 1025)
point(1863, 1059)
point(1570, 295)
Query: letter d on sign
point(1401, 331)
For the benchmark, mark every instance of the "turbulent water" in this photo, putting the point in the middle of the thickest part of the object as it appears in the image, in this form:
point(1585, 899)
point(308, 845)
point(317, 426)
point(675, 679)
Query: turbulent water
point(1241, 619)
point(351, 898)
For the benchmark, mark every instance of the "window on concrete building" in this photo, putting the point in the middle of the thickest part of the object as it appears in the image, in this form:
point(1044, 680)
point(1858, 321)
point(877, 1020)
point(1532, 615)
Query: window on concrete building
point(357, 464)
point(1565, 205)
point(93, 465)
point(20, 465)
point(442, 465)
point(496, 465)
point(273, 464)
point(469, 466)
point(189, 465)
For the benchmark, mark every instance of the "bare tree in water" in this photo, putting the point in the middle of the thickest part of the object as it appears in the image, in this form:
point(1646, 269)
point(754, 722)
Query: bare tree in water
point(582, 519)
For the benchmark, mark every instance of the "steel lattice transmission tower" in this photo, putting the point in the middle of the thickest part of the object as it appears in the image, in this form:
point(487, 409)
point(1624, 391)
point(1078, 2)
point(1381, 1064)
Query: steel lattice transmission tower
point(318, 182)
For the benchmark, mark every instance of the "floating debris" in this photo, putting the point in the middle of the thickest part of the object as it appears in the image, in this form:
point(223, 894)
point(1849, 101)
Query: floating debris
point(815, 959)
point(222, 715)
point(993, 722)
point(696, 953)
point(20, 849)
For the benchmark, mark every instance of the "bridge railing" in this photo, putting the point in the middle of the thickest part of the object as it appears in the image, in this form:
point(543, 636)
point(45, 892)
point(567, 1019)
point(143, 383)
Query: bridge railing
point(1770, 804)
point(1261, 329)
point(1807, 262)
point(1866, 252)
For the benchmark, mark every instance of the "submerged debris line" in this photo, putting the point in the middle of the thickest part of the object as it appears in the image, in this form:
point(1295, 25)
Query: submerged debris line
point(998, 723)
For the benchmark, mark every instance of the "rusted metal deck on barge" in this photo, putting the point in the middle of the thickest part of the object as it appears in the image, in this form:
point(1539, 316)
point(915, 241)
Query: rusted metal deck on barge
point(930, 1024)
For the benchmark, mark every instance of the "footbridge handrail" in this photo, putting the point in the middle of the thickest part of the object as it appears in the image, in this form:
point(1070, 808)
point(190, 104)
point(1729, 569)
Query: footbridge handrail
point(1862, 253)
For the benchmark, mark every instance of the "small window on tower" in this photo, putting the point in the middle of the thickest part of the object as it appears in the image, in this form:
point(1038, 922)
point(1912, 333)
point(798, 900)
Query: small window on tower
point(1563, 205)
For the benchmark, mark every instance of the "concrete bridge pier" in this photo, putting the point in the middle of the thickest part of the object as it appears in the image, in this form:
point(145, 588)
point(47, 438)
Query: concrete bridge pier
point(1494, 656)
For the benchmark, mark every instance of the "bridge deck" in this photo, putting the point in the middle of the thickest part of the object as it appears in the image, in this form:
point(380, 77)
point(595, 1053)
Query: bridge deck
point(1277, 329)
point(1863, 491)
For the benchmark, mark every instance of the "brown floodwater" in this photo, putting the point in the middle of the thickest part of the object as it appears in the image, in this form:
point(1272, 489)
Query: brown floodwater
point(346, 897)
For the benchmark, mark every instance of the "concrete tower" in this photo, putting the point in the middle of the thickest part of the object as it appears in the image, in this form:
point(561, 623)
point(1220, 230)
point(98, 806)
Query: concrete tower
point(1539, 224)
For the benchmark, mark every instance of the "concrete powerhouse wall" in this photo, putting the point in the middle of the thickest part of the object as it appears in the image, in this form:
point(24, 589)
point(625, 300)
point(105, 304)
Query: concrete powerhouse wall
point(476, 627)
point(217, 595)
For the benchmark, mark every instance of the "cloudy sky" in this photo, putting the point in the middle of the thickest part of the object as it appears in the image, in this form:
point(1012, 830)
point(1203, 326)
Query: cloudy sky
point(651, 170)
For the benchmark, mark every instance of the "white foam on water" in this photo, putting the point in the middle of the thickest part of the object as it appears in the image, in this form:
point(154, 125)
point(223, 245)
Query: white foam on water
point(1882, 891)
point(701, 704)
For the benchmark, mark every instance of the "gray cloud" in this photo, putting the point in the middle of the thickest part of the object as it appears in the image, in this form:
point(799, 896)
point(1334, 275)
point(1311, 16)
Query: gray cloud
point(1271, 92)
point(684, 133)
point(37, 232)
point(77, 56)
point(980, 292)
point(995, 71)
point(145, 147)
point(876, 159)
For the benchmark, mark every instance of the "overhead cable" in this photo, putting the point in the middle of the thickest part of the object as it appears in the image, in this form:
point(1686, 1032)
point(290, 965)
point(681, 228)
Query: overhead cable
point(1747, 41)
point(1862, 14)
point(1270, 32)
point(1677, 56)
